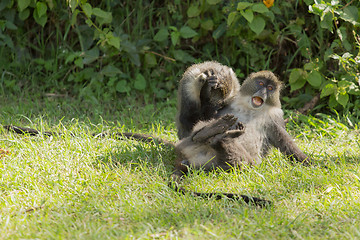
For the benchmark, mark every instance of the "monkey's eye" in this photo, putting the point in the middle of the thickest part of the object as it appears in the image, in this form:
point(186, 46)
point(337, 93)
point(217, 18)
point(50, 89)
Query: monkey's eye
point(270, 88)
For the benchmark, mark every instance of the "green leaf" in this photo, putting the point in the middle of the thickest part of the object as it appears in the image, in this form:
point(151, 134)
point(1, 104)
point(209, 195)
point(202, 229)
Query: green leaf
point(150, 60)
point(91, 55)
point(309, 66)
point(193, 22)
point(140, 82)
point(105, 17)
point(243, 5)
point(113, 41)
point(297, 79)
point(328, 90)
point(221, 29)
point(70, 58)
point(344, 84)
point(5, 3)
point(342, 98)
point(10, 25)
point(100, 13)
point(110, 71)
point(332, 101)
point(207, 24)
point(122, 86)
point(24, 14)
point(260, 8)
point(354, 91)
point(231, 18)
point(161, 35)
point(295, 74)
point(175, 36)
point(350, 14)
point(327, 22)
point(22, 4)
point(298, 84)
point(341, 31)
point(213, 2)
point(79, 62)
point(315, 79)
point(73, 5)
point(248, 15)
point(87, 9)
point(40, 20)
point(134, 58)
point(193, 11)
point(187, 32)
point(257, 25)
point(41, 9)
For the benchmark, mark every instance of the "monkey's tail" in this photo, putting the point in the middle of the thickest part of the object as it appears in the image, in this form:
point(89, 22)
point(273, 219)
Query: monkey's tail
point(30, 131)
point(247, 199)
point(139, 136)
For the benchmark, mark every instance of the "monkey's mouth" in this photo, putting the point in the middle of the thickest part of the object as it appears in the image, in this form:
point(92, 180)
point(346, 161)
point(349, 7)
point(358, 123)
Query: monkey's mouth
point(257, 102)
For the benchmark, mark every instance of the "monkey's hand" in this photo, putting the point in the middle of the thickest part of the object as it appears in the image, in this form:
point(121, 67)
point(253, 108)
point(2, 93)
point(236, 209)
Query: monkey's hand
point(208, 76)
point(213, 80)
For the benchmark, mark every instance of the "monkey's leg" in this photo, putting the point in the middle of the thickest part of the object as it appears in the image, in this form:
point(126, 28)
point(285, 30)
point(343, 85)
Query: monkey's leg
point(214, 128)
point(230, 153)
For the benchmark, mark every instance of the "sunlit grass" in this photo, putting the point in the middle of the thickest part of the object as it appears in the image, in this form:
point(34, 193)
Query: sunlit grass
point(80, 187)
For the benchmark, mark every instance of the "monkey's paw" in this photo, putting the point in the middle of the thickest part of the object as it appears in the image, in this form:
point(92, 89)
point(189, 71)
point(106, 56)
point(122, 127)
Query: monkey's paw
point(209, 77)
point(215, 127)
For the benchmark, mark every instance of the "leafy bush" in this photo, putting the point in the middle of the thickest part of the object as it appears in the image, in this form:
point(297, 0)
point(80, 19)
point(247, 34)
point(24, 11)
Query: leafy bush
point(105, 49)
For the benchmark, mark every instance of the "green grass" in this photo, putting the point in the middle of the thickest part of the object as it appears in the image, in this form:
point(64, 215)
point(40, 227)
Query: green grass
point(80, 187)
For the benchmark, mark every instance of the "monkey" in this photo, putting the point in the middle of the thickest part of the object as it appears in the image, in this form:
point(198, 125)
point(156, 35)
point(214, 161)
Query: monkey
point(256, 103)
point(203, 89)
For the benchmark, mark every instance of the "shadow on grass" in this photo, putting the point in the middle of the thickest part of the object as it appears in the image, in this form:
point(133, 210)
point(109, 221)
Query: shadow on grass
point(138, 153)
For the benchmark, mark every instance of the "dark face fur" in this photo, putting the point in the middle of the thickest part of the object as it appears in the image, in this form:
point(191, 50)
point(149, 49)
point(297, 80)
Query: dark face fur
point(264, 88)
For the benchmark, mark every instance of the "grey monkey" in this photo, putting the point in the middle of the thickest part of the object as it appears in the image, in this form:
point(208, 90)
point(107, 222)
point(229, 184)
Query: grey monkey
point(257, 108)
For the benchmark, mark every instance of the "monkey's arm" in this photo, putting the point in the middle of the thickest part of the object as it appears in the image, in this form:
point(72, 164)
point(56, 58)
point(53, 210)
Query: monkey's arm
point(279, 138)
point(202, 93)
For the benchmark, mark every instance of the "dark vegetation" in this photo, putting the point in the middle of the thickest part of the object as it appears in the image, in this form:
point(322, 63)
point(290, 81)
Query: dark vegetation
point(99, 51)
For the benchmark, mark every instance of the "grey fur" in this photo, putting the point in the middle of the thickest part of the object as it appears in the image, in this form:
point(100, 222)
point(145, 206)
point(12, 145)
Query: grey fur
point(203, 89)
point(257, 106)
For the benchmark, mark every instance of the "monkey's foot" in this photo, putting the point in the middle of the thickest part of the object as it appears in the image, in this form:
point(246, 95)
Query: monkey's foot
point(238, 126)
point(234, 131)
point(214, 128)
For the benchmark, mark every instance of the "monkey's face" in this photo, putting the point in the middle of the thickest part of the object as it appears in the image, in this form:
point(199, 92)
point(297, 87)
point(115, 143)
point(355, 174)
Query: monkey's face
point(262, 88)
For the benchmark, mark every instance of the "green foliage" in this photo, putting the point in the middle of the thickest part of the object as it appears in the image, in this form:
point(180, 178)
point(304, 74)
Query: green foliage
point(100, 50)
point(333, 68)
